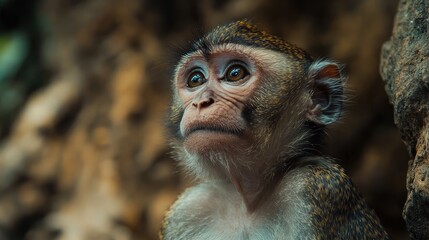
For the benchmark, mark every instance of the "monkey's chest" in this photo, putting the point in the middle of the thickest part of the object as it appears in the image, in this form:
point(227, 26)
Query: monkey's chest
point(202, 215)
point(234, 224)
point(226, 222)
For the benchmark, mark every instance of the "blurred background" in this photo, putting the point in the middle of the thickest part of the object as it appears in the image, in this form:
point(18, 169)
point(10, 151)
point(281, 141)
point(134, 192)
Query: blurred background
point(84, 87)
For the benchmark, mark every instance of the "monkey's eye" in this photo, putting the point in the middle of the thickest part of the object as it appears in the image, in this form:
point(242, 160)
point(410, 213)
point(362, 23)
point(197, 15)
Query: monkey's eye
point(236, 73)
point(195, 79)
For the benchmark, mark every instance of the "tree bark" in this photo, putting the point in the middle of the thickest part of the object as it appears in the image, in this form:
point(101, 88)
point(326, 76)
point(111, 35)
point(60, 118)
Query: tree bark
point(405, 71)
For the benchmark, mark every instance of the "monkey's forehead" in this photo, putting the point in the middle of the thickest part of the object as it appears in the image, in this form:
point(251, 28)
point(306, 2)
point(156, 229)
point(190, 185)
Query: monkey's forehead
point(257, 54)
point(243, 33)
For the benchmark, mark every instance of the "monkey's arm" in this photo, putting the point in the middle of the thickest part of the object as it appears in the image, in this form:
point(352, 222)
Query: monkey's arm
point(339, 211)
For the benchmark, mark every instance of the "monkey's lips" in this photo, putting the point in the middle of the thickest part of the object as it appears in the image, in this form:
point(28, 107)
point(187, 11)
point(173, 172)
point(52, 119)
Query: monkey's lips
point(214, 129)
point(201, 139)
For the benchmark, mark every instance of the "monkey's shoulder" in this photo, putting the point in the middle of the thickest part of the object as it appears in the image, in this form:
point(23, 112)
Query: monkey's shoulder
point(196, 210)
point(338, 209)
point(325, 179)
point(171, 219)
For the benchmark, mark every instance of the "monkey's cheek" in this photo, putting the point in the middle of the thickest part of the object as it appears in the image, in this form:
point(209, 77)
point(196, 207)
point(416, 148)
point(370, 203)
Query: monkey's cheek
point(207, 142)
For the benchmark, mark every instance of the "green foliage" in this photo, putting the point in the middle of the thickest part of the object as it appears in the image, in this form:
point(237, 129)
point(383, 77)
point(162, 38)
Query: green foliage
point(13, 50)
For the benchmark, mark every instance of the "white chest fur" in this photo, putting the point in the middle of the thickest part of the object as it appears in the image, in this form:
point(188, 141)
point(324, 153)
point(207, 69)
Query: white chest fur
point(216, 211)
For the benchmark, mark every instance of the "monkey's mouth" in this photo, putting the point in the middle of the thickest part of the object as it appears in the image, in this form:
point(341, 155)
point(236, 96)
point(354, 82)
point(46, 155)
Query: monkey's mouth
point(215, 129)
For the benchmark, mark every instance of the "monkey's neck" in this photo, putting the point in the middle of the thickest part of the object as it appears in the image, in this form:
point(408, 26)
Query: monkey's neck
point(254, 190)
point(256, 187)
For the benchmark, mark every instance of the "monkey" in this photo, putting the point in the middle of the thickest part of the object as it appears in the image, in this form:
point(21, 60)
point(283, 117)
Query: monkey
point(247, 115)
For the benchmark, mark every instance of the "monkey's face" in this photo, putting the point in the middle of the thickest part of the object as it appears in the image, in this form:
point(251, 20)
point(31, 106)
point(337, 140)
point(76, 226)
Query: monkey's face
point(228, 98)
point(213, 90)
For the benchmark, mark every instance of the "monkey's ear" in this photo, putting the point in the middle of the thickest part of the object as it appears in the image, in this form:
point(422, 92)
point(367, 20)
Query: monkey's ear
point(326, 81)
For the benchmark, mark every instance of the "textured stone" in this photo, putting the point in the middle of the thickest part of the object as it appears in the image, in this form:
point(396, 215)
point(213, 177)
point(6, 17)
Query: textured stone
point(405, 70)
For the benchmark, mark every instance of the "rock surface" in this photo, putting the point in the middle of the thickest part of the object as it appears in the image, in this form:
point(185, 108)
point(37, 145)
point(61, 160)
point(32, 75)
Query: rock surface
point(405, 70)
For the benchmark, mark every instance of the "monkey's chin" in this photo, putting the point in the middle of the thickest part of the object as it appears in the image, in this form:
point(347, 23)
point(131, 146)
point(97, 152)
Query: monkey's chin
point(206, 142)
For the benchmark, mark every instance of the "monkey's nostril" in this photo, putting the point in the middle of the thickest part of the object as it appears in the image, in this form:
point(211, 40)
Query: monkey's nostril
point(206, 103)
point(203, 103)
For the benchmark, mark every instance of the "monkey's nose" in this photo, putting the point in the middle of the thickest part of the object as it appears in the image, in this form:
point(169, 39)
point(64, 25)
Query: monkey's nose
point(203, 103)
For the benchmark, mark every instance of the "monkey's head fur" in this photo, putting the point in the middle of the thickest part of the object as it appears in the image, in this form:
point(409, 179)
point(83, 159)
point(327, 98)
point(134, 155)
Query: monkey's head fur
point(274, 113)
